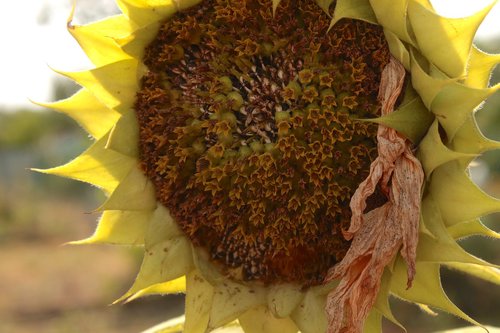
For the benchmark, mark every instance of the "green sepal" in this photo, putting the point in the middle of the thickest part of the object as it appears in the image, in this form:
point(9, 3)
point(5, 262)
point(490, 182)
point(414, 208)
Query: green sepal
point(325, 5)
point(134, 192)
point(473, 329)
point(411, 119)
point(469, 139)
point(422, 228)
point(392, 15)
point(276, 3)
point(232, 299)
point(124, 137)
point(398, 49)
point(480, 67)
point(426, 288)
point(457, 197)
point(446, 42)
point(382, 302)
point(443, 248)
point(205, 267)
point(433, 153)
point(455, 102)
point(97, 166)
point(373, 323)
point(426, 309)
point(261, 320)
point(198, 303)
point(427, 86)
point(282, 299)
point(167, 248)
point(120, 227)
point(470, 228)
point(490, 274)
point(162, 227)
point(163, 261)
point(354, 9)
point(176, 325)
point(310, 315)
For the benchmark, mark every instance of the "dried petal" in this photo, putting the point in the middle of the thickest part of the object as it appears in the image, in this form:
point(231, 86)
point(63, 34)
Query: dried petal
point(379, 234)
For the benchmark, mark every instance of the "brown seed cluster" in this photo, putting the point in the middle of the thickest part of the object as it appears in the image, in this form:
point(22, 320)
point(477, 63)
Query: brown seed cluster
point(249, 131)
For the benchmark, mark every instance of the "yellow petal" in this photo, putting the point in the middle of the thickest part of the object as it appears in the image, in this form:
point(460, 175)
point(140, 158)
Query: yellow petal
point(124, 137)
point(355, 9)
point(261, 320)
point(310, 315)
point(433, 153)
point(231, 300)
point(469, 228)
point(95, 118)
point(120, 227)
point(97, 166)
point(426, 288)
point(98, 39)
point(392, 15)
point(458, 198)
point(113, 85)
point(198, 303)
point(446, 42)
point(176, 286)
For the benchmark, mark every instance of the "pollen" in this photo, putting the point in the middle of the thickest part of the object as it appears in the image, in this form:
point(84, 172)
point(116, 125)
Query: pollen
point(249, 131)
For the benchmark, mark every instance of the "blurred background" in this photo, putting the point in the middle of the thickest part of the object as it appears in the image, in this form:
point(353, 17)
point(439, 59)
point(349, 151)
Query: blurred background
point(46, 287)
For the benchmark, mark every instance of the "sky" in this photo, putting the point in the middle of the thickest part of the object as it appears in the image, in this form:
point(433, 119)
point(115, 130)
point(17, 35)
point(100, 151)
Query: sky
point(34, 38)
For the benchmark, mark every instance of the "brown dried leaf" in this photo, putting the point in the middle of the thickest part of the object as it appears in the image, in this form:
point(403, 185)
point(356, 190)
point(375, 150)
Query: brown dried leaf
point(379, 234)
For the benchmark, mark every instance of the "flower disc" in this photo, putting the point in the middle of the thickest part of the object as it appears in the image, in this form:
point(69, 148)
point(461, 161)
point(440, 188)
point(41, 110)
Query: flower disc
point(249, 131)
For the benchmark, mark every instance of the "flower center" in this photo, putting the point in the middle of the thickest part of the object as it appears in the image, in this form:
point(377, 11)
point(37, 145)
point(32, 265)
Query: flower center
point(249, 131)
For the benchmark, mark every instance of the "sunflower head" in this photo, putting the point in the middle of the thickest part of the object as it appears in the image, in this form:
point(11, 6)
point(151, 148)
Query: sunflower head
point(273, 158)
point(251, 134)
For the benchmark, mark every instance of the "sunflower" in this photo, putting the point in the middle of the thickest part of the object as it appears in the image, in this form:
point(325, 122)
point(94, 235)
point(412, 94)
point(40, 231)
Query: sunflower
point(287, 164)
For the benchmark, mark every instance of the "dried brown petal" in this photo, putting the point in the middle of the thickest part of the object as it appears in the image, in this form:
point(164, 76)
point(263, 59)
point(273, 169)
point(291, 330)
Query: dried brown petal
point(379, 234)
